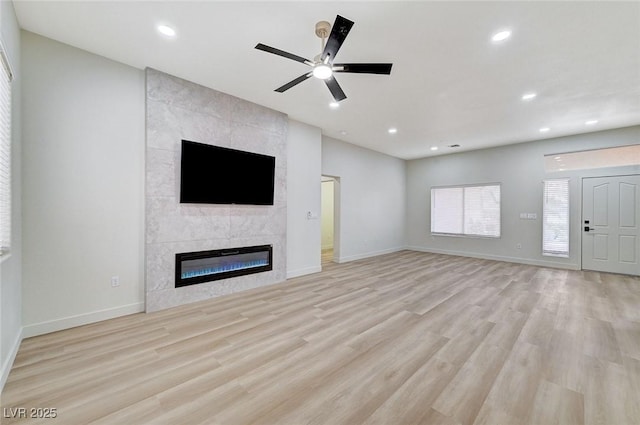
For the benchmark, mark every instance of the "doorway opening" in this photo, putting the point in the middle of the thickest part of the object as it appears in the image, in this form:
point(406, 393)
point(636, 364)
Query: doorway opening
point(330, 225)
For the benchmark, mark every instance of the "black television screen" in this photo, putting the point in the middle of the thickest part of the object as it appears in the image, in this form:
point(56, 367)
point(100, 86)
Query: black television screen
point(216, 175)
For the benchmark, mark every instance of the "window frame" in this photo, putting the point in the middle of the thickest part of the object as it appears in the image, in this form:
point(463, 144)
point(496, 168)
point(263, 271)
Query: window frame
point(463, 187)
point(6, 76)
point(552, 253)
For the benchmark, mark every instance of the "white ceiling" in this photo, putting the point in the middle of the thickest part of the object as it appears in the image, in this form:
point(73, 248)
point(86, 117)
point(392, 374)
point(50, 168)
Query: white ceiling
point(449, 84)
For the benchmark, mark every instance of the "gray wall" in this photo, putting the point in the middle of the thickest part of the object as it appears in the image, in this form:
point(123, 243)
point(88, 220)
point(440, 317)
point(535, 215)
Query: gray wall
point(11, 266)
point(83, 154)
point(371, 200)
point(176, 110)
point(303, 195)
point(520, 170)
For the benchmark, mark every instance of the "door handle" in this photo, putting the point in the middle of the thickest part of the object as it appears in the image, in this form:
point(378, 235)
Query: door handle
point(587, 228)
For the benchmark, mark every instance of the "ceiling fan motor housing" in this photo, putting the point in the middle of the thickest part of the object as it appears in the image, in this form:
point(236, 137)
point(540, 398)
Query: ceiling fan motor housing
point(323, 28)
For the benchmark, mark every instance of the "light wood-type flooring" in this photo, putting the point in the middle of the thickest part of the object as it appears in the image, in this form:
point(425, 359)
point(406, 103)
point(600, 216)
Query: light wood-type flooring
point(404, 338)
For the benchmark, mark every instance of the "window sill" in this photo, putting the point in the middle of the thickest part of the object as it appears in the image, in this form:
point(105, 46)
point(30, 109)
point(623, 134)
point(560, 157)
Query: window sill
point(544, 254)
point(456, 235)
point(4, 256)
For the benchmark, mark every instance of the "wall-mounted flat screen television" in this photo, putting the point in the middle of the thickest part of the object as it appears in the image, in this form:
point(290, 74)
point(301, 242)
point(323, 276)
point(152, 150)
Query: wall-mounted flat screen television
point(216, 175)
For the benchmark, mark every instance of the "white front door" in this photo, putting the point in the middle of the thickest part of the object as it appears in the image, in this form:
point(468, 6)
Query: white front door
point(611, 224)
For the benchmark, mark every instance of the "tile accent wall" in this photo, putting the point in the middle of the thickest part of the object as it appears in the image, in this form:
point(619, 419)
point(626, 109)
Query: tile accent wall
point(177, 109)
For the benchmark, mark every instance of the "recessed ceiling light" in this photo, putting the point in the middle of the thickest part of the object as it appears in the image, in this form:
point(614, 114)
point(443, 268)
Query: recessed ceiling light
point(501, 36)
point(334, 105)
point(529, 96)
point(392, 130)
point(544, 129)
point(434, 148)
point(344, 133)
point(591, 122)
point(166, 30)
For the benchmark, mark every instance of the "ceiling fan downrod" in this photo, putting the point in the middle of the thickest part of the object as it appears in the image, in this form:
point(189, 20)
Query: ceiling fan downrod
point(323, 28)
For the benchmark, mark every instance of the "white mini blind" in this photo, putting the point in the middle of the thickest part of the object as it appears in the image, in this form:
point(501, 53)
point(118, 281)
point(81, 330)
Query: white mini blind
point(446, 210)
point(5, 154)
point(466, 210)
point(555, 218)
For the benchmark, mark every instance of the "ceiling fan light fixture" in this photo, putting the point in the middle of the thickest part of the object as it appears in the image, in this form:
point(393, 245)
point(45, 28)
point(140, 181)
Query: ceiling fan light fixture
point(322, 71)
point(322, 66)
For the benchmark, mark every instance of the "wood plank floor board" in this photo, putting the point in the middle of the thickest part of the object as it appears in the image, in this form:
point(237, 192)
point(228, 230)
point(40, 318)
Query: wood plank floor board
point(428, 381)
point(360, 386)
point(555, 405)
point(402, 338)
point(463, 398)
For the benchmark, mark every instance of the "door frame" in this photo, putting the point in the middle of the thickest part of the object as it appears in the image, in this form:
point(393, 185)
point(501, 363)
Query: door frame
point(580, 204)
point(336, 217)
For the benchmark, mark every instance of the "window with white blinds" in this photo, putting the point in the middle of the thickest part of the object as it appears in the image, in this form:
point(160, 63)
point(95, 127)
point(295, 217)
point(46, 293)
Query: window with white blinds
point(555, 218)
point(466, 210)
point(5, 154)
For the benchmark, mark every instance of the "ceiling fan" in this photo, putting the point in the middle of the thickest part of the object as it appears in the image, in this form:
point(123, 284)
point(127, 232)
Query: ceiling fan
point(323, 66)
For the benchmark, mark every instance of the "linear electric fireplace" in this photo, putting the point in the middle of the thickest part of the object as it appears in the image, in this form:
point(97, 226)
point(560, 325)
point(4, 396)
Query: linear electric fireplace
point(206, 266)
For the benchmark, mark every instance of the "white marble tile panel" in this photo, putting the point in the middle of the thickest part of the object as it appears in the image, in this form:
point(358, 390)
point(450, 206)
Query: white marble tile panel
point(161, 173)
point(177, 110)
point(247, 113)
point(175, 91)
point(168, 221)
point(168, 125)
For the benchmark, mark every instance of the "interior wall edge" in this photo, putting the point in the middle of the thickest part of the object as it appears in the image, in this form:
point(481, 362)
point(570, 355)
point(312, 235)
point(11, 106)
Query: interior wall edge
point(8, 363)
point(361, 256)
point(302, 272)
point(518, 260)
point(80, 319)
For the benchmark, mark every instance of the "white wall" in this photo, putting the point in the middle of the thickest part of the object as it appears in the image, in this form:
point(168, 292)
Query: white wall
point(11, 266)
point(520, 170)
point(83, 199)
point(371, 204)
point(327, 214)
point(303, 195)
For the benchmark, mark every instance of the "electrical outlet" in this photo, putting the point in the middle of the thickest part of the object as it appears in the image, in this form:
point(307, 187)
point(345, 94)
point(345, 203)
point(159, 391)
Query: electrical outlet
point(115, 281)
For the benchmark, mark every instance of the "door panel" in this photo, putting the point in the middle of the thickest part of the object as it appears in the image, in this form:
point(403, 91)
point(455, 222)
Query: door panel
point(627, 248)
point(628, 212)
point(601, 247)
point(600, 205)
point(610, 226)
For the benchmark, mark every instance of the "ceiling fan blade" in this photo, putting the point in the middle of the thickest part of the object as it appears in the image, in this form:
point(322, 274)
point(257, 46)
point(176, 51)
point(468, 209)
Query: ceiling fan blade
point(339, 32)
point(293, 83)
point(335, 89)
point(363, 68)
point(282, 53)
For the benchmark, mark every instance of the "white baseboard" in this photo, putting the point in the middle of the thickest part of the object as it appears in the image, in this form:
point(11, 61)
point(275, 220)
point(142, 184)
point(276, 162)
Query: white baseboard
point(348, 258)
point(80, 319)
point(301, 272)
point(8, 363)
point(541, 263)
